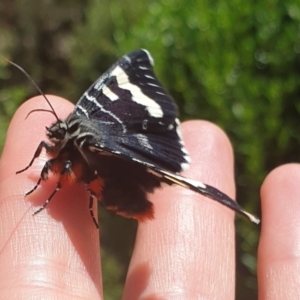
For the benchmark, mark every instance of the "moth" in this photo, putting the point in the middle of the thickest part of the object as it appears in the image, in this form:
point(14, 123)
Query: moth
point(123, 141)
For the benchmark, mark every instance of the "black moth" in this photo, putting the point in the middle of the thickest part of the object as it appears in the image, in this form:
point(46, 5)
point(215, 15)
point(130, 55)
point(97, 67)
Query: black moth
point(123, 141)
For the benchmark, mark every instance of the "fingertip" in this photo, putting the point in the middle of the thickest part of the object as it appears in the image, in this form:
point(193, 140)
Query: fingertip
point(280, 193)
point(207, 130)
point(278, 263)
point(191, 235)
point(40, 246)
point(212, 159)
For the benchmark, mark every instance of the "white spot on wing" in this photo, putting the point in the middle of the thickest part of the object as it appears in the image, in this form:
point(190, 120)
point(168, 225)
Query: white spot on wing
point(138, 96)
point(185, 165)
point(170, 127)
point(149, 76)
point(143, 68)
point(109, 93)
point(149, 57)
point(127, 58)
point(143, 141)
point(153, 84)
point(145, 124)
point(116, 152)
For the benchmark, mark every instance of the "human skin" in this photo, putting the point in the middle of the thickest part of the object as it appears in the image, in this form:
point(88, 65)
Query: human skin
point(186, 252)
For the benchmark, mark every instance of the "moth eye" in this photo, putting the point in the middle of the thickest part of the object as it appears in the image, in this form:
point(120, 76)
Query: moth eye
point(60, 133)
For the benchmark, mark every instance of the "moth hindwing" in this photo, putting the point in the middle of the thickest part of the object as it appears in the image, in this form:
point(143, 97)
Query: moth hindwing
point(123, 141)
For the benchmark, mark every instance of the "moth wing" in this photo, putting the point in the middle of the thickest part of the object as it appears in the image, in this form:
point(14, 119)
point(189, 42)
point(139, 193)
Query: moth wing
point(139, 116)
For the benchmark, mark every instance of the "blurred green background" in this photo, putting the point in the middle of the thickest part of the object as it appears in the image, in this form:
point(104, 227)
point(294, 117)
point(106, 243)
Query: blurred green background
point(235, 63)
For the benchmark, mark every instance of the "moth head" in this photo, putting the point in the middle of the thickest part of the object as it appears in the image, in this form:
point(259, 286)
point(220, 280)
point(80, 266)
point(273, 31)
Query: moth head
point(57, 132)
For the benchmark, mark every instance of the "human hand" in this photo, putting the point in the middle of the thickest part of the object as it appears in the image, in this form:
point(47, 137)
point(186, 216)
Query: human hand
point(187, 252)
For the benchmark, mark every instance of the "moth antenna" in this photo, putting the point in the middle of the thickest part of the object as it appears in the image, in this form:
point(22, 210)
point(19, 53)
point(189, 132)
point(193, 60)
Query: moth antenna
point(37, 88)
point(39, 109)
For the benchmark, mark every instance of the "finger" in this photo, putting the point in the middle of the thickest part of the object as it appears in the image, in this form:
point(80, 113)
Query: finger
point(279, 247)
point(55, 252)
point(187, 252)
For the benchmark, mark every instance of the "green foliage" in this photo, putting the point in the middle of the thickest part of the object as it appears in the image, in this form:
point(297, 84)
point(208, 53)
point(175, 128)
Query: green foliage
point(235, 63)
point(111, 266)
point(10, 99)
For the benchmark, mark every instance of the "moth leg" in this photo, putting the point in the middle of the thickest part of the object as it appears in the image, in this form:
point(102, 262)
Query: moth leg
point(91, 205)
point(95, 190)
point(37, 153)
point(67, 168)
point(58, 187)
point(44, 175)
